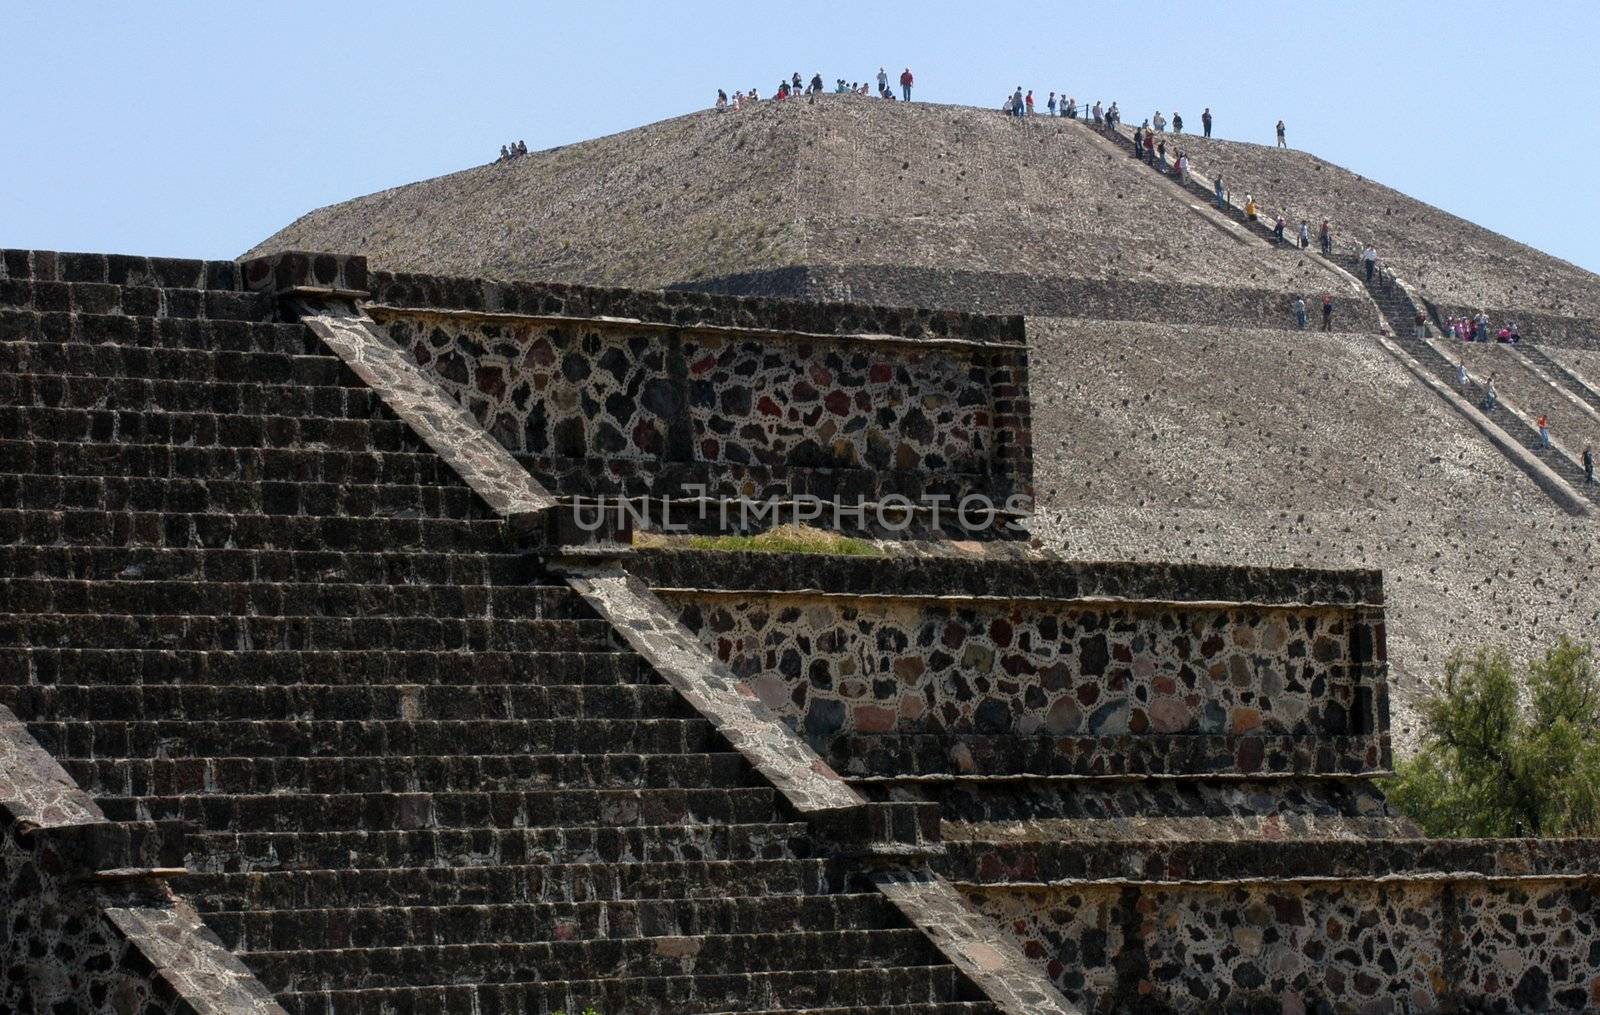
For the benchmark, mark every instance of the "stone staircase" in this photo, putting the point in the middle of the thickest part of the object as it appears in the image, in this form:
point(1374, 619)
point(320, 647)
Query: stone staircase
point(1399, 312)
point(420, 773)
point(1573, 383)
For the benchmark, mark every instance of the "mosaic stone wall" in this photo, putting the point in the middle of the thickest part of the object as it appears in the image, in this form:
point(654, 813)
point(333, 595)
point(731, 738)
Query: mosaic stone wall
point(1402, 946)
point(605, 407)
point(877, 665)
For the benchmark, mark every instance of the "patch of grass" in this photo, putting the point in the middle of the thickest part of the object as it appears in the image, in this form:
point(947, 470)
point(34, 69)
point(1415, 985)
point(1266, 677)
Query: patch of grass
point(783, 539)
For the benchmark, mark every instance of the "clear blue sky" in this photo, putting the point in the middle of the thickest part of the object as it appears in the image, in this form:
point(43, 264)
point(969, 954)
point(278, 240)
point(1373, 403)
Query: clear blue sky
point(196, 129)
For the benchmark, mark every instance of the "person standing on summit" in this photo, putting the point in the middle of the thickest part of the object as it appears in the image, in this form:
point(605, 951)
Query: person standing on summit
point(883, 82)
point(1205, 120)
point(905, 83)
point(1281, 142)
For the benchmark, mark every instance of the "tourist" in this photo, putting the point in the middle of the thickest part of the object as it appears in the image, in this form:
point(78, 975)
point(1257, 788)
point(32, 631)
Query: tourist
point(1160, 122)
point(1327, 312)
point(1098, 118)
point(1491, 398)
point(1462, 377)
point(1325, 236)
point(1051, 104)
point(1205, 120)
point(1305, 234)
point(1544, 432)
point(522, 147)
point(1419, 325)
point(1071, 109)
point(883, 81)
point(1183, 168)
point(1281, 142)
point(1222, 194)
point(1480, 327)
point(1277, 228)
point(905, 83)
point(1177, 123)
point(783, 91)
point(1504, 334)
point(1588, 465)
point(1516, 336)
point(838, 86)
point(1016, 102)
point(1138, 142)
point(1369, 258)
point(1113, 115)
point(504, 154)
point(722, 100)
point(1029, 102)
point(1251, 211)
point(1300, 317)
point(1161, 149)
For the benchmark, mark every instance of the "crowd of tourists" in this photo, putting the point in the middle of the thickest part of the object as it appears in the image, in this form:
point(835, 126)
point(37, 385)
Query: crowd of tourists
point(1479, 329)
point(793, 88)
point(512, 150)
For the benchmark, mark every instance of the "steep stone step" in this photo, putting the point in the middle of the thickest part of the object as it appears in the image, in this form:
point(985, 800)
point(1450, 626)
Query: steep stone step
point(308, 969)
point(357, 667)
point(331, 738)
point(285, 812)
point(403, 926)
point(1520, 431)
point(226, 564)
point(204, 365)
point(855, 990)
point(451, 774)
point(284, 532)
point(135, 301)
point(136, 394)
point(1562, 375)
point(165, 703)
point(169, 462)
point(159, 332)
point(207, 429)
point(293, 599)
point(327, 633)
point(268, 854)
point(224, 496)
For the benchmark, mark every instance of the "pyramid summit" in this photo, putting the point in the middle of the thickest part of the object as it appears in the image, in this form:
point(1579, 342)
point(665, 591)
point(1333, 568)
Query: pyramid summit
point(852, 557)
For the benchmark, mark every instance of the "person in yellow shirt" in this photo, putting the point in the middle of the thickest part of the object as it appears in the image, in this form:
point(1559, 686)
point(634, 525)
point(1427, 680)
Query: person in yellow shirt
point(1250, 210)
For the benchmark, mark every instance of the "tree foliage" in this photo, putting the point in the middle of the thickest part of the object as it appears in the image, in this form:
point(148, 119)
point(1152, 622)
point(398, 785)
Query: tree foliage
point(1507, 753)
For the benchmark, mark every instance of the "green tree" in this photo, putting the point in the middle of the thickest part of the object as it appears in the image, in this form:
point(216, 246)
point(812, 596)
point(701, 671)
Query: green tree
point(1499, 761)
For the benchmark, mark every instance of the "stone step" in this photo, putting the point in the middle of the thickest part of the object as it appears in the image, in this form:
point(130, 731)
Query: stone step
point(135, 394)
point(513, 923)
point(331, 738)
point(135, 300)
point(292, 599)
point(34, 492)
point(487, 850)
point(167, 703)
point(284, 532)
point(119, 269)
point(169, 462)
point(917, 988)
point(294, 339)
point(356, 667)
point(224, 564)
point(455, 773)
point(327, 633)
point(208, 429)
point(287, 812)
point(366, 968)
point(84, 359)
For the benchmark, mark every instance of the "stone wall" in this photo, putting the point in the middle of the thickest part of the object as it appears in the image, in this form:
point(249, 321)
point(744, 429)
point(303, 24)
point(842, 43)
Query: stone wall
point(602, 392)
point(90, 923)
point(938, 653)
point(1424, 945)
point(1040, 296)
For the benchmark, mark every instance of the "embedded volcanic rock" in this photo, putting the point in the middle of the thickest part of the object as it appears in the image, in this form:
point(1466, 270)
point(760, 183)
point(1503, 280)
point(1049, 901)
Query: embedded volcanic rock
point(1262, 447)
point(974, 204)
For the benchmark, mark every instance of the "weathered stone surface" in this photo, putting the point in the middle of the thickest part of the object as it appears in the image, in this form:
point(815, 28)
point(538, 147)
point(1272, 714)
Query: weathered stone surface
point(486, 466)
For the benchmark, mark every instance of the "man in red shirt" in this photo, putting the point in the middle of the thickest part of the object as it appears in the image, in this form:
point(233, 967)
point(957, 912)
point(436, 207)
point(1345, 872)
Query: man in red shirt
point(905, 83)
